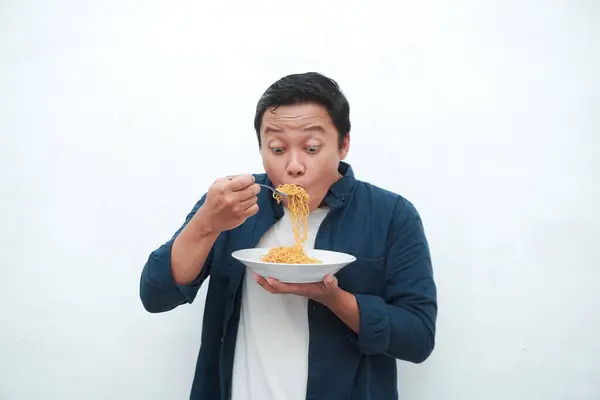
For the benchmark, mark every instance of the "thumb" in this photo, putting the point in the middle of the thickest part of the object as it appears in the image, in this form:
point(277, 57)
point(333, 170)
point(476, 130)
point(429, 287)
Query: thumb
point(329, 280)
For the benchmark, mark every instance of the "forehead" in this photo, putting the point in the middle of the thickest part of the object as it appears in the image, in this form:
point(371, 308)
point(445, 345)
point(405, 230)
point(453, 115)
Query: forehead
point(296, 116)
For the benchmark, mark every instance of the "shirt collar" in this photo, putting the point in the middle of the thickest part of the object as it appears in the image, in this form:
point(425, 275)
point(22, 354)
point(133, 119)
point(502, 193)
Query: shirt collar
point(340, 192)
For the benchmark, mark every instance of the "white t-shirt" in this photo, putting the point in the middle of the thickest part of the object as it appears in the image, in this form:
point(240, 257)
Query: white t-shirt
point(271, 356)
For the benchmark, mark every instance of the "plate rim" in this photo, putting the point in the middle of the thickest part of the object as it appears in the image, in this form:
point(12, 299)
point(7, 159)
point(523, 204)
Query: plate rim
point(352, 257)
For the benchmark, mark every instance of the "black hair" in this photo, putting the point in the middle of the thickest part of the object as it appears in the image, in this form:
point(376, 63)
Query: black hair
point(310, 87)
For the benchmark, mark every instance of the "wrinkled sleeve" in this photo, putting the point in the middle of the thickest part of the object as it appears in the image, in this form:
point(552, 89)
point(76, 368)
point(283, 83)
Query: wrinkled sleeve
point(158, 291)
point(401, 323)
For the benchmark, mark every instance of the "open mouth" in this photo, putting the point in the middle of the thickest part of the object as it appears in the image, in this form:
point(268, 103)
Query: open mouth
point(295, 184)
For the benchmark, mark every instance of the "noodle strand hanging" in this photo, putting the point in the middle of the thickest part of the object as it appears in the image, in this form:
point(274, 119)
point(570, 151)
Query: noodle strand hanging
point(299, 210)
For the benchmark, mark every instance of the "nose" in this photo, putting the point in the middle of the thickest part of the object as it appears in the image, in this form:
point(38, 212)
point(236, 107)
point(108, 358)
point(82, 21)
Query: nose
point(295, 166)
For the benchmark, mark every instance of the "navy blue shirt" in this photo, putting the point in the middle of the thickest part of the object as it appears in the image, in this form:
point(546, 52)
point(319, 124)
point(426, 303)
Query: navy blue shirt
point(392, 280)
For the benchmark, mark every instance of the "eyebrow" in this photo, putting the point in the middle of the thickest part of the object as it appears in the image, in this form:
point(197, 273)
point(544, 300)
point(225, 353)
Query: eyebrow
point(270, 129)
point(314, 128)
point(310, 128)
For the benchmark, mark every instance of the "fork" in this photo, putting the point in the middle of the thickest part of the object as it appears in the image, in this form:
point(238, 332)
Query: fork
point(271, 188)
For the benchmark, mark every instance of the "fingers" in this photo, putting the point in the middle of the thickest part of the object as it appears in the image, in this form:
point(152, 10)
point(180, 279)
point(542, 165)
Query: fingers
point(321, 291)
point(247, 193)
point(241, 186)
point(240, 182)
point(244, 205)
point(248, 206)
point(330, 281)
point(250, 211)
point(264, 284)
point(239, 192)
point(274, 286)
point(278, 286)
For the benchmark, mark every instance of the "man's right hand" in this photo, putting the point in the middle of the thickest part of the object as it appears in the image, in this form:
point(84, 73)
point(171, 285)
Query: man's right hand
point(229, 202)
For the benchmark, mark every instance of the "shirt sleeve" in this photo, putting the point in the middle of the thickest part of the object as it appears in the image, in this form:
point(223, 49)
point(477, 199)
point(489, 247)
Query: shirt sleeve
point(401, 322)
point(158, 290)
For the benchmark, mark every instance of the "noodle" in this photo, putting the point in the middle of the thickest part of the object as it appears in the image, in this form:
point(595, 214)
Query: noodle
point(299, 210)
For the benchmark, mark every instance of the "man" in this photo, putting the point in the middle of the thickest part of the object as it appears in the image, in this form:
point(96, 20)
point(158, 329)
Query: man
point(336, 339)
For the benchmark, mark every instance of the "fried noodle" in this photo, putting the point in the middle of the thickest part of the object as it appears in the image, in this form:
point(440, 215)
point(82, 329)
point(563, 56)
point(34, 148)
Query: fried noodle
point(299, 210)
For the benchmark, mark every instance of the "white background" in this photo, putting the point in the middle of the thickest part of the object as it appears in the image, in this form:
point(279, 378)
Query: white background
point(115, 116)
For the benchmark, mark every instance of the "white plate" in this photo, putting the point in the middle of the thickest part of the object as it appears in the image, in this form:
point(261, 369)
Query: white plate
point(331, 262)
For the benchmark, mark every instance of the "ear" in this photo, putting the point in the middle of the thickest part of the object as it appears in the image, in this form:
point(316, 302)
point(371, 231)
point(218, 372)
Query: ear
point(345, 146)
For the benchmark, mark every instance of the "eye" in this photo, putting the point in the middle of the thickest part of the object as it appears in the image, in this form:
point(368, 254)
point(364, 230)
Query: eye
point(312, 149)
point(277, 150)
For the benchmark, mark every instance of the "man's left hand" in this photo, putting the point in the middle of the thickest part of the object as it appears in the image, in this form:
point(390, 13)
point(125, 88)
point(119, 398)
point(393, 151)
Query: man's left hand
point(324, 292)
point(341, 303)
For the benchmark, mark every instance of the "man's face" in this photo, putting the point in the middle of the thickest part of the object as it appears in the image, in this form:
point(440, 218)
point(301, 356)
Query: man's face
point(299, 145)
